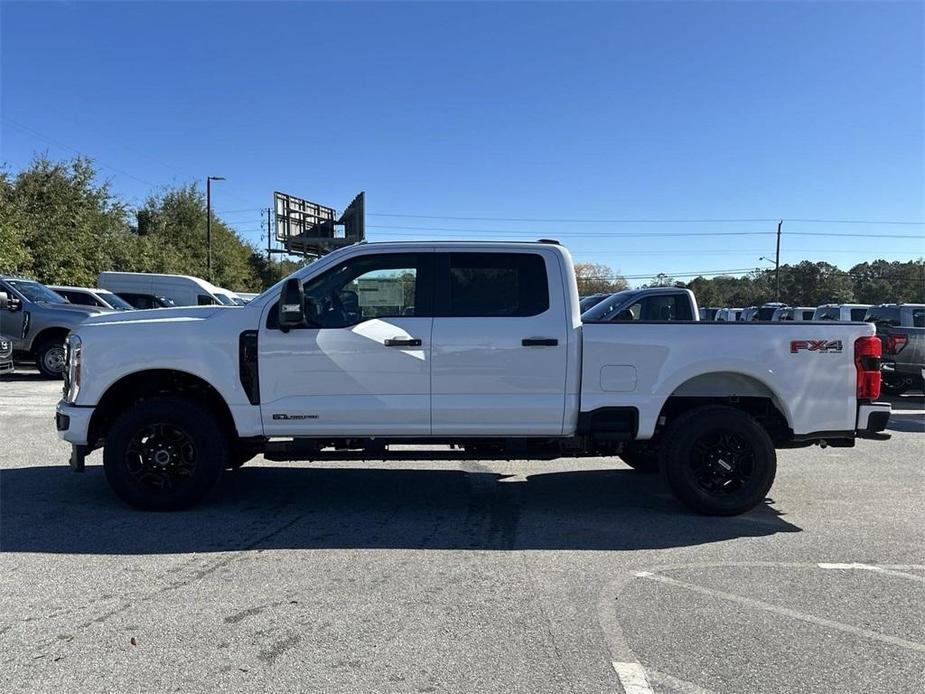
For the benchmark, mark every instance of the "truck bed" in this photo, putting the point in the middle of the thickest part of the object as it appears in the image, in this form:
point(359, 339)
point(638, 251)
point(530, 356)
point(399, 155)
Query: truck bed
point(806, 368)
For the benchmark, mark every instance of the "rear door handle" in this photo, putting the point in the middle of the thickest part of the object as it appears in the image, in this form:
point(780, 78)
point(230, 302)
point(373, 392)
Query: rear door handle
point(403, 342)
point(539, 342)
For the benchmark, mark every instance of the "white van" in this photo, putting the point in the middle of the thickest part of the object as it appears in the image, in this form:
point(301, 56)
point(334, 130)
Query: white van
point(146, 290)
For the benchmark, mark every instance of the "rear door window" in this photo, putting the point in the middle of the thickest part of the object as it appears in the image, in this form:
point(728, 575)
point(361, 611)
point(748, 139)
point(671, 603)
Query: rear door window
point(494, 284)
point(918, 318)
point(884, 315)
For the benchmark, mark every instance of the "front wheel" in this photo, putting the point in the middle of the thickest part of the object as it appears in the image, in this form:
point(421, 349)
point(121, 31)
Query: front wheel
point(164, 454)
point(718, 460)
point(49, 358)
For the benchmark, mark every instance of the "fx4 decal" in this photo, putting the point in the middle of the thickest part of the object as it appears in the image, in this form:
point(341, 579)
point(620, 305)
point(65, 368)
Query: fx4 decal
point(815, 346)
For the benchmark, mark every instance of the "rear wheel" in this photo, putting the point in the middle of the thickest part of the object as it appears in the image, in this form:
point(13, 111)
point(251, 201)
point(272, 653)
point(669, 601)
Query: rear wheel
point(165, 453)
point(49, 358)
point(718, 460)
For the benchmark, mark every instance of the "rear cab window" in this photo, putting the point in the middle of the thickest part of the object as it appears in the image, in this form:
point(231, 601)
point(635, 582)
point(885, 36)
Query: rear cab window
point(493, 285)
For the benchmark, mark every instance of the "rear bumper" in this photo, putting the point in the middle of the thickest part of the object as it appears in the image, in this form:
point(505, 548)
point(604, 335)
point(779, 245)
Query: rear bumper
point(872, 419)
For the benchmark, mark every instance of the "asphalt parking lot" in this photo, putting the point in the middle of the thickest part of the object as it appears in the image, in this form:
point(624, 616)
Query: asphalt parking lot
point(571, 576)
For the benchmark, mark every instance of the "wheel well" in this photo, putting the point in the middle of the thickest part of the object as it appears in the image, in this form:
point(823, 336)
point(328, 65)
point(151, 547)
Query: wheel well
point(49, 333)
point(750, 396)
point(146, 384)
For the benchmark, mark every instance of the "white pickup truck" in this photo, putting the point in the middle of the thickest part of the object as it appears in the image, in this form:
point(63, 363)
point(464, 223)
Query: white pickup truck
point(476, 347)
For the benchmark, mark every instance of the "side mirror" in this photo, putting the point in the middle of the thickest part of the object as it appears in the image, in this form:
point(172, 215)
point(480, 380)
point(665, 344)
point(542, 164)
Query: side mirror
point(291, 306)
point(8, 303)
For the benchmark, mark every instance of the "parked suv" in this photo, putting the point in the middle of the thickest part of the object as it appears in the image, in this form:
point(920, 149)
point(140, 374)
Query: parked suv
point(901, 329)
point(38, 319)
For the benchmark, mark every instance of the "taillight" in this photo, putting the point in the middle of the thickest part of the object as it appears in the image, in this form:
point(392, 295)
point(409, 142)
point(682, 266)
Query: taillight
point(896, 342)
point(867, 352)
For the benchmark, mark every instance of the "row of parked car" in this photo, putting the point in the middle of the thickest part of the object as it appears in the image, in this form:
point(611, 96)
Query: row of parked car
point(901, 327)
point(35, 318)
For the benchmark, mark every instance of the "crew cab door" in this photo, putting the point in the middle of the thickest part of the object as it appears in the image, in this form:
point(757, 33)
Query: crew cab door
point(363, 367)
point(499, 344)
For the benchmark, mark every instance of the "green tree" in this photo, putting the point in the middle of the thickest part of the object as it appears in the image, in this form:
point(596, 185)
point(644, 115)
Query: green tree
point(58, 223)
point(171, 237)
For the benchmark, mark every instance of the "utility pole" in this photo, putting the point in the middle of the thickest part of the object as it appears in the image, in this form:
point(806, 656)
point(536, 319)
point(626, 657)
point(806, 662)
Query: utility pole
point(209, 180)
point(269, 248)
point(777, 262)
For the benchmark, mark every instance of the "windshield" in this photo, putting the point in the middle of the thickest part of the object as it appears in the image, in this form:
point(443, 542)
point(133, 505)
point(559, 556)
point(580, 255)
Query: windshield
point(238, 301)
point(590, 301)
point(606, 308)
point(224, 300)
point(116, 302)
point(35, 291)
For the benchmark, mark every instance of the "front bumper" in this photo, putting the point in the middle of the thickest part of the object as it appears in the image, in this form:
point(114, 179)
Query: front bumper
point(872, 420)
point(73, 422)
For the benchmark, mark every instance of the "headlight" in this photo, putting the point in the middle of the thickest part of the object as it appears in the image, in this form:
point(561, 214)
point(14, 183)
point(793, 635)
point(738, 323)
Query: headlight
point(72, 354)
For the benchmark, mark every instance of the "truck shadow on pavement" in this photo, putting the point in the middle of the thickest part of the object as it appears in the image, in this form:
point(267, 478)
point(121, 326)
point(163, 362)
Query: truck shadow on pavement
point(51, 510)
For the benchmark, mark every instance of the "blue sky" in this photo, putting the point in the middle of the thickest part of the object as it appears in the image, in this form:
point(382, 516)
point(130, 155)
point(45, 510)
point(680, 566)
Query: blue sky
point(608, 111)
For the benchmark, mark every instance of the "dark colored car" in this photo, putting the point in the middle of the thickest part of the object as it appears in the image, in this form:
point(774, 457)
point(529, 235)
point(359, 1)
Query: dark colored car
point(587, 302)
point(901, 329)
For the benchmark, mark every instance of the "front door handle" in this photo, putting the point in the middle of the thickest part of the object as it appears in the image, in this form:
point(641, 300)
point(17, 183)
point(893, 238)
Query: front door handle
point(403, 342)
point(539, 342)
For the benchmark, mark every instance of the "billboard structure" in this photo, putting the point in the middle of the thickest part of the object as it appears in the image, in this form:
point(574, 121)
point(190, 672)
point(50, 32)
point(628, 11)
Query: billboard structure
point(304, 227)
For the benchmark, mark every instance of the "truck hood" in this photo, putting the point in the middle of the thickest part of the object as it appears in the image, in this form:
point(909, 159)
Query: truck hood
point(75, 308)
point(156, 315)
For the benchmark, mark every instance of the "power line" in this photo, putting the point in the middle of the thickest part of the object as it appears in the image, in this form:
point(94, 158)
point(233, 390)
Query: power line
point(628, 234)
point(746, 220)
point(39, 135)
point(588, 234)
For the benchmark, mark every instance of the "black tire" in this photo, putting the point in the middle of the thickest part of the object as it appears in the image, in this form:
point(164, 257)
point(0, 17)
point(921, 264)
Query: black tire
point(894, 384)
point(49, 358)
point(641, 457)
point(718, 460)
point(165, 454)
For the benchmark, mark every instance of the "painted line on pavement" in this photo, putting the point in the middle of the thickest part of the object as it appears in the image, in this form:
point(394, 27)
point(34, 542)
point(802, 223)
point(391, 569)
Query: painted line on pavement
point(871, 567)
point(786, 612)
point(633, 678)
